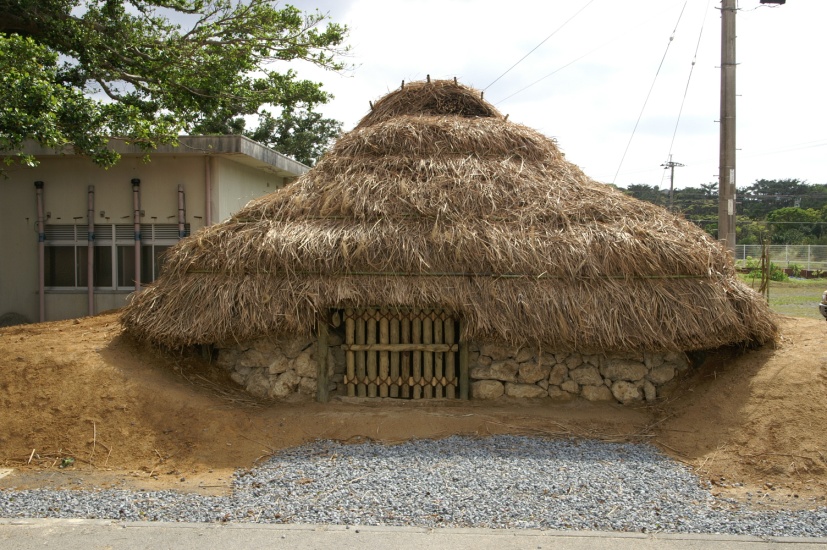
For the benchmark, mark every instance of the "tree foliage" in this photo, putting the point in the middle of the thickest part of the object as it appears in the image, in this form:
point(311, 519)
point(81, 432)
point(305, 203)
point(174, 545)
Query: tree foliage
point(81, 71)
point(648, 193)
point(786, 211)
point(794, 225)
point(300, 133)
point(764, 196)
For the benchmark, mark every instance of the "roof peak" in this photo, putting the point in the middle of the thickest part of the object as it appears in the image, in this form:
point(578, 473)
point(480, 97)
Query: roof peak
point(430, 98)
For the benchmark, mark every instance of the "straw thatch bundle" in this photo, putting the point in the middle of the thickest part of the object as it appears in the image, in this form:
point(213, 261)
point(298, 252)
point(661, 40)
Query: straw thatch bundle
point(436, 200)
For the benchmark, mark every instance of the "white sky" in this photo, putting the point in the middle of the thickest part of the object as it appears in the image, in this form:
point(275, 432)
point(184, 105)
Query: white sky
point(591, 106)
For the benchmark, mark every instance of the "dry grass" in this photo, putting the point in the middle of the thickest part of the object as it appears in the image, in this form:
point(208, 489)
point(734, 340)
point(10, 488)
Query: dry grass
point(436, 200)
point(438, 98)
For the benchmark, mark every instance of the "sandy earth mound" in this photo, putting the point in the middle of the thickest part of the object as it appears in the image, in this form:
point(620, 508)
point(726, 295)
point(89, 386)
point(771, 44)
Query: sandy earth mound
point(79, 389)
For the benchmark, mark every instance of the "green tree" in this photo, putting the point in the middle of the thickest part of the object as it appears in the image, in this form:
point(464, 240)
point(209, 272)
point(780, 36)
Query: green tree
point(710, 190)
point(648, 193)
point(764, 196)
point(82, 72)
point(815, 196)
point(748, 231)
point(767, 210)
point(793, 225)
point(694, 203)
point(300, 133)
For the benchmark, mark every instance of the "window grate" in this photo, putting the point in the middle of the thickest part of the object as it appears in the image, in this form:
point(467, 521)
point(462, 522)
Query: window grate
point(103, 232)
point(66, 253)
point(165, 232)
point(125, 232)
point(60, 233)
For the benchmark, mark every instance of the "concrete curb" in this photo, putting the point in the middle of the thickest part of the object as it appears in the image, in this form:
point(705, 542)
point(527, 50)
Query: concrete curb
point(69, 534)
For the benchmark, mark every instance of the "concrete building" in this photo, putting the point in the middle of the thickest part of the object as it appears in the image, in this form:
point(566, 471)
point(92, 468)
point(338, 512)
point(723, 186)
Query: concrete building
point(69, 230)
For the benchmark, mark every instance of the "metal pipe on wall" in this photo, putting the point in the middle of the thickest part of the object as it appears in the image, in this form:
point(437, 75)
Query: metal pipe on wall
point(182, 213)
point(90, 251)
point(136, 218)
point(41, 249)
point(207, 190)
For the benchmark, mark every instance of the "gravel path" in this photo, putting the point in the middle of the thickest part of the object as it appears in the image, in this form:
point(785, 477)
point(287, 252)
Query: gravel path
point(499, 482)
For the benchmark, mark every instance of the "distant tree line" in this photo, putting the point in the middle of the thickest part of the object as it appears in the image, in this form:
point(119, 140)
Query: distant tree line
point(787, 211)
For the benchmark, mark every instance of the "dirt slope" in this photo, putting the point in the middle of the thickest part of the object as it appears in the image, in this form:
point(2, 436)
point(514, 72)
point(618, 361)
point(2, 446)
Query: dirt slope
point(133, 417)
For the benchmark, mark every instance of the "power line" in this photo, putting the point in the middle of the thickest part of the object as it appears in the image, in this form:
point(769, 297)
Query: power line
point(787, 150)
point(671, 38)
point(540, 44)
point(554, 72)
point(670, 164)
point(758, 222)
point(705, 160)
point(688, 80)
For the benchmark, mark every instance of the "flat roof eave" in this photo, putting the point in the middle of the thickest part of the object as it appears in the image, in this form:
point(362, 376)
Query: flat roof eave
point(239, 148)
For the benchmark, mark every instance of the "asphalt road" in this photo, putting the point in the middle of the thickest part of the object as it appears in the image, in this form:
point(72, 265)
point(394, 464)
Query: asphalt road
point(70, 534)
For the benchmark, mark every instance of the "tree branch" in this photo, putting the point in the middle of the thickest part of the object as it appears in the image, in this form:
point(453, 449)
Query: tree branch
point(108, 91)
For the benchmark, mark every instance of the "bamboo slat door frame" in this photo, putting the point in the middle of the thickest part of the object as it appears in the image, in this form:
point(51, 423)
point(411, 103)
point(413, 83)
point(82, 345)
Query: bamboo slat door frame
point(408, 354)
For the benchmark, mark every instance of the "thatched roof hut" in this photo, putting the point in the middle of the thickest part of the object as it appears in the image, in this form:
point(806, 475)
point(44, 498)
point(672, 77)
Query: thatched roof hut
point(436, 200)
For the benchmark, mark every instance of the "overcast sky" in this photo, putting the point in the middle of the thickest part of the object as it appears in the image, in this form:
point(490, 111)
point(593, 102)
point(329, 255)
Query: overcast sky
point(602, 63)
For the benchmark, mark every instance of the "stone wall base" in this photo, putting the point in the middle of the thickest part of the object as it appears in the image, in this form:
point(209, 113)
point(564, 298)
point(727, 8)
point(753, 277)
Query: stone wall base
point(288, 369)
point(497, 371)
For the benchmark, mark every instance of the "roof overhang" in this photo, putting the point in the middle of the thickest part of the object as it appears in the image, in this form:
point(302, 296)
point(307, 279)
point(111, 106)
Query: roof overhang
point(241, 149)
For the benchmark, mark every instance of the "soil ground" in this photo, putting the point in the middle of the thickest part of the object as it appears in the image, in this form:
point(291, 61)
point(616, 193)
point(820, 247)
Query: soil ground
point(750, 422)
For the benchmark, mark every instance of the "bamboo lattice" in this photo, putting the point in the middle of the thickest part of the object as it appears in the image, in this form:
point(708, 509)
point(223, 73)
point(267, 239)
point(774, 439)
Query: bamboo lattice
point(401, 354)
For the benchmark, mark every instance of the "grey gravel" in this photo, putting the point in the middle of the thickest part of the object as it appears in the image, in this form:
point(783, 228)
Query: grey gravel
point(496, 482)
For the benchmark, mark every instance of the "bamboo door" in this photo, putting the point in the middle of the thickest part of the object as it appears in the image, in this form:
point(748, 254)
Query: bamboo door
point(407, 354)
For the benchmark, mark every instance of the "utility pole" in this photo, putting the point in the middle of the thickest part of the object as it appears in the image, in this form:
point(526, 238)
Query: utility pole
point(671, 164)
point(726, 165)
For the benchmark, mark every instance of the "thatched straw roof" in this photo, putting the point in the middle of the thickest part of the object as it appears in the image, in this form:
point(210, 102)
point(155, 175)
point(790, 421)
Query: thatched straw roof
point(435, 199)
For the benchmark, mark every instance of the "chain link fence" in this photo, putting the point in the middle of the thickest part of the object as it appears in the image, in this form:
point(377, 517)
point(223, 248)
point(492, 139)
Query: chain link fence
point(811, 257)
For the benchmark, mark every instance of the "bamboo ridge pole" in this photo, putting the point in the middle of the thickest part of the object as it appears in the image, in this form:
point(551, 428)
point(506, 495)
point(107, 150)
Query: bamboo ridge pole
point(444, 274)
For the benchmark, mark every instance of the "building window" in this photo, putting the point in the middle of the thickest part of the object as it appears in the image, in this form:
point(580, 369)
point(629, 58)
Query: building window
point(62, 265)
point(66, 254)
